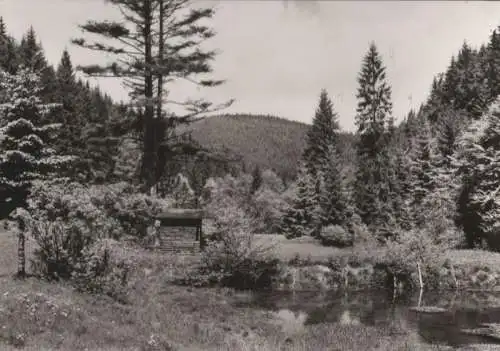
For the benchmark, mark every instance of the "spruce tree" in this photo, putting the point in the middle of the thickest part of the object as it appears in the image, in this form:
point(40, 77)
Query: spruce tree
point(374, 110)
point(67, 95)
point(471, 94)
point(25, 152)
point(448, 129)
point(403, 201)
point(8, 50)
point(322, 136)
point(334, 199)
point(322, 159)
point(436, 102)
point(410, 125)
point(372, 190)
point(31, 52)
point(298, 217)
point(422, 168)
point(451, 83)
point(3, 30)
point(479, 163)
point(492, 64)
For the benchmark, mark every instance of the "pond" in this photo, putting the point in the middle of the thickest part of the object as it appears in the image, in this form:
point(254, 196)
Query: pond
point(377, 308)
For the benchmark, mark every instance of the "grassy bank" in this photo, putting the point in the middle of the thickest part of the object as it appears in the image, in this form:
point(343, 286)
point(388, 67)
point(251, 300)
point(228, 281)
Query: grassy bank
point(158, 315)
point(309, 265)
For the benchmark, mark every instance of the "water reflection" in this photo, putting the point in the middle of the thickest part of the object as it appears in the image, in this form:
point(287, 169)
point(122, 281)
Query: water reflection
point(291, 322)
point(376, 308)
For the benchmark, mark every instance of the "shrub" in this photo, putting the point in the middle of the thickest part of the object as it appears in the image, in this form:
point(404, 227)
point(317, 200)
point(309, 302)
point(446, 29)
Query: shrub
point(136, 213)
point(74, 205)
point(229, 218)
point(268, 208)
point(237, 261)
point(412, 248)
point(101, 270)
point(226, 201)
point(73, 224)
point(60, 248)
point(361, 233)
point(109, 211)
point(334, 235)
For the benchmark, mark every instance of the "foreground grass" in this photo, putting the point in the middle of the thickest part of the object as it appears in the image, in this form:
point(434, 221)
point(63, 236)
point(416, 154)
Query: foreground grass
point(45, 316)
point(158, 315)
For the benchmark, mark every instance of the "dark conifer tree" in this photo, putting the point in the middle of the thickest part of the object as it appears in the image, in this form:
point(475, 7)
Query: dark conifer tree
point(493, 64)
point(298, 219)
point(322, 136)
point(372, 189)
point(158, 42)
point(31, 52)
point(8, 50)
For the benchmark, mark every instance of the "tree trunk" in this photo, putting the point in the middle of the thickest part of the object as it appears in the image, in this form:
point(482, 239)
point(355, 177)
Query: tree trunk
point(161, 47)
point(158, 134)
point(148, 161)
point(21, 253)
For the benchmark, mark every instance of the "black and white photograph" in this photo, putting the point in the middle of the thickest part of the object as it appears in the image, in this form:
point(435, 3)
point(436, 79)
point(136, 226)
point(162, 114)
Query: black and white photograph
point(249, 175)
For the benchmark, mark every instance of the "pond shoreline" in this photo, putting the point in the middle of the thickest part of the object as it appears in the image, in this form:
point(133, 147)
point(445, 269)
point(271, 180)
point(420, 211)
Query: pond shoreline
point(465, 277)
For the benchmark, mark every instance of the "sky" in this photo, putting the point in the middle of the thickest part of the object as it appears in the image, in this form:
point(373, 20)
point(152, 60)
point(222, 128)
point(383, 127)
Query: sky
point(276, 56)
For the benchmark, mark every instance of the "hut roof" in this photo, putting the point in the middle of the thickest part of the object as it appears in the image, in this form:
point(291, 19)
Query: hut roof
point(180, 213)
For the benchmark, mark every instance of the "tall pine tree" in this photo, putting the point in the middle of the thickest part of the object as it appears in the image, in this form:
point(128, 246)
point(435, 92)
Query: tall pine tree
point(322, 136)
point(31, 52)
point(372, 190)
point(478, 162)
point(322, 179)
point(159, 42)
point(422, 168)
point(8, 50)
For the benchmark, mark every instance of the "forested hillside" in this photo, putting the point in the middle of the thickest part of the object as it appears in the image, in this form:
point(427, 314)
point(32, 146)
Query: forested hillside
point(266, 141)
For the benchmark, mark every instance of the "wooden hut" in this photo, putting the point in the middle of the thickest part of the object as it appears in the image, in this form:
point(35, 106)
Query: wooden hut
point(171, 237)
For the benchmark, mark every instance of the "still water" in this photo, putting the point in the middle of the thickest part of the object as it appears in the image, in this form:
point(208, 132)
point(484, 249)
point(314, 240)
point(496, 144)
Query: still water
point(377, 308)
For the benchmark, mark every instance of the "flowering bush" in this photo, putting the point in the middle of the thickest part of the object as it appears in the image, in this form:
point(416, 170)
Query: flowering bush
point(226, 201)
point(106, 211)
point(73, 225)
point(77, 206)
